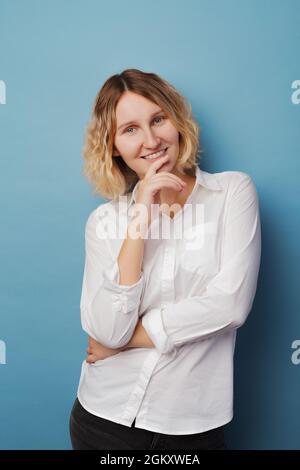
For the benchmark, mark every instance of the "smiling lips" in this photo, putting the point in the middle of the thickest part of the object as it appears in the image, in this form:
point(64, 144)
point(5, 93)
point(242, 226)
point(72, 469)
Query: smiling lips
point(158, 155)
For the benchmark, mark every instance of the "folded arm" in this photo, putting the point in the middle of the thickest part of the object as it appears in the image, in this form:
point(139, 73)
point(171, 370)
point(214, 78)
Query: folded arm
point(97, 351)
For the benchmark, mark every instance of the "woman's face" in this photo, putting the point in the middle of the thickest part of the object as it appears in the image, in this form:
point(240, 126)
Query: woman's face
point(142, 129)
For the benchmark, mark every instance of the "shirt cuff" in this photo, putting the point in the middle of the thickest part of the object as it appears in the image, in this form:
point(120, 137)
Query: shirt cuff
point(125, 297)
point(153, 324)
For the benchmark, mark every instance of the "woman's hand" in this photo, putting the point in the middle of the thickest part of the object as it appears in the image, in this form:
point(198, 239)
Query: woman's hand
point(97, 351)
point(154, 181)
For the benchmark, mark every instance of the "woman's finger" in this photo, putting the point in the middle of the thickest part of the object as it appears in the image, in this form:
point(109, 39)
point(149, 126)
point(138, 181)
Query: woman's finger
point(90, 359)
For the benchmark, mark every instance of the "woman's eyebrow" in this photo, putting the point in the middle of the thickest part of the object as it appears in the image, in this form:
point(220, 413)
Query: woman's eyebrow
point(132, 122)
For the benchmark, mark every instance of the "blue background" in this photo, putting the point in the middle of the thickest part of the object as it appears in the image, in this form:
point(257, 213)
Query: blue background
point(235, 61)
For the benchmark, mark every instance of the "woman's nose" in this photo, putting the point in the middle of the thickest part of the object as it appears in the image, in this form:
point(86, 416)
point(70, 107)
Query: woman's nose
point(151, 139)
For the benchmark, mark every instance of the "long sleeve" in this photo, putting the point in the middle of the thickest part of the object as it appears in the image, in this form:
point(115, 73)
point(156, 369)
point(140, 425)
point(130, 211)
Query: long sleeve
point(228, 298)
point(109, 311)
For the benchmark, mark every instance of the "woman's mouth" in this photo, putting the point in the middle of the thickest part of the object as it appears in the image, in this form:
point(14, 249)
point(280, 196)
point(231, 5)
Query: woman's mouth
point(156, 156)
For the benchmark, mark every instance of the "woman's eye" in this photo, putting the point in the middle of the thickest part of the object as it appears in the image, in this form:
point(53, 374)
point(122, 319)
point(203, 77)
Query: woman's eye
point(128, 129)
point(158, 117)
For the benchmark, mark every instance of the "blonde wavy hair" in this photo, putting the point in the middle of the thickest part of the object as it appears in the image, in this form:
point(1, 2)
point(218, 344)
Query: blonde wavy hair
point(110, 176)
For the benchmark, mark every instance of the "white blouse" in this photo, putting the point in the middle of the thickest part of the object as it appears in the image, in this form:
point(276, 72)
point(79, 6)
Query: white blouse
point(196, 288)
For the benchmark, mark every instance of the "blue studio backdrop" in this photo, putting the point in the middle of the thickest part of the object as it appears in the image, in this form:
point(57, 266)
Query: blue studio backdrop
point(237, 63)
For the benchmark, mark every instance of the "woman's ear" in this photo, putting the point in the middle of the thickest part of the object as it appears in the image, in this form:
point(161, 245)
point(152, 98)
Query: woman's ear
point(115, 153)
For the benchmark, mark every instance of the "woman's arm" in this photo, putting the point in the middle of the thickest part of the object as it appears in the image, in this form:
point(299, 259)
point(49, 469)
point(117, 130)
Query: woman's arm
point(111, 293)
point(131, 256)
point(228, 297)
point(97, 351)
point(140, 338)
point(109, 306)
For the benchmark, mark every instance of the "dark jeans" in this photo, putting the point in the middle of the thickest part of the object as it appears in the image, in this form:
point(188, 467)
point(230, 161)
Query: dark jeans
point(90, 432)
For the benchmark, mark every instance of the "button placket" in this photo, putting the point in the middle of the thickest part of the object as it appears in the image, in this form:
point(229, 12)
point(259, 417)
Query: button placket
point(168, 272)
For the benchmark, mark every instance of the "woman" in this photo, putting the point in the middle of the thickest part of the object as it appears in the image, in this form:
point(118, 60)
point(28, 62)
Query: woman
point(170, 273)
